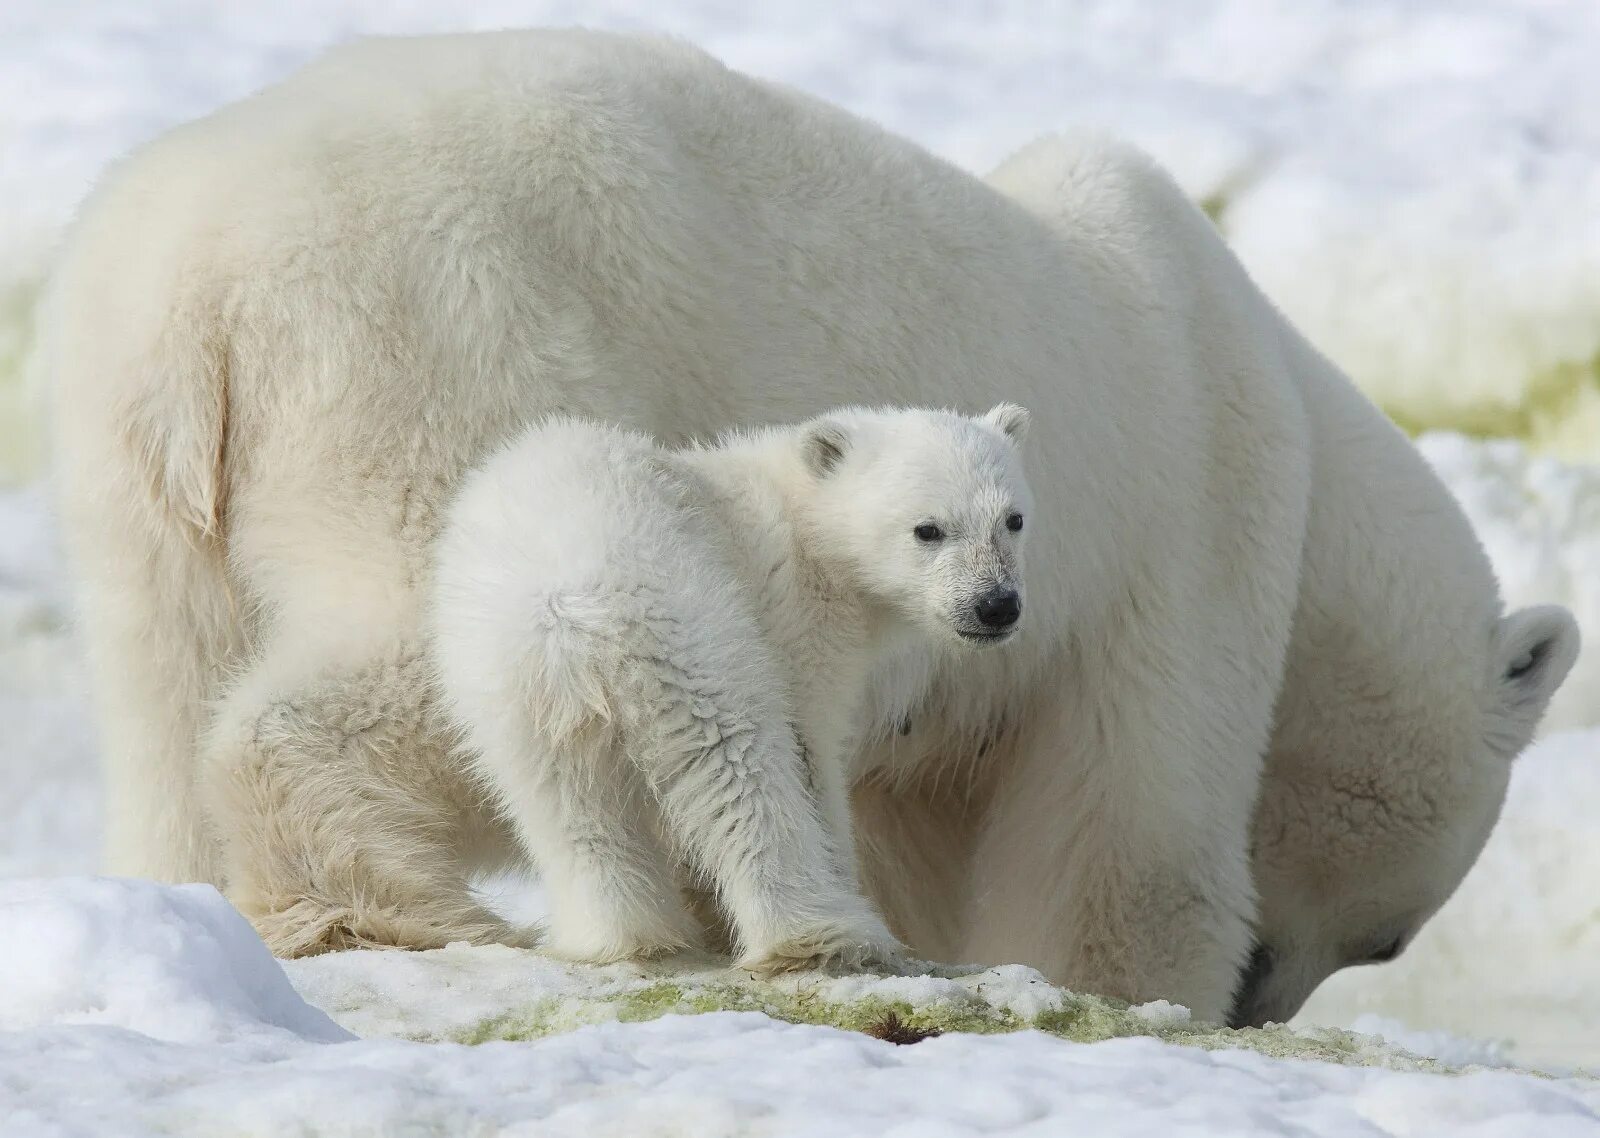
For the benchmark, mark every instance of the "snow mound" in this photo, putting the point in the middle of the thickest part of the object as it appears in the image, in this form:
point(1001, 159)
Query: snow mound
point(175, 963)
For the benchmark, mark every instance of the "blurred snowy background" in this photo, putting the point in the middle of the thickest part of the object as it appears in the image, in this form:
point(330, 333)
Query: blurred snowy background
point(1415, 182)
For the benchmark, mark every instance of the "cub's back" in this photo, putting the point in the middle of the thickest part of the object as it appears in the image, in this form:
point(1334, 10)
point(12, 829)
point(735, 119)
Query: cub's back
point(569, 504)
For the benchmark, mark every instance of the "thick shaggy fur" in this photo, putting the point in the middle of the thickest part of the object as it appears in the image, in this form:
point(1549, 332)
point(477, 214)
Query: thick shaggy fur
point(279, 336)
point(661, 658)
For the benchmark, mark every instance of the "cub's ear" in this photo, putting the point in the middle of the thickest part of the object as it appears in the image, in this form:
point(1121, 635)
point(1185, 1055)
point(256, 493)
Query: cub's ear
point(824, 447)
point(1535, 648)
point(1009, 419)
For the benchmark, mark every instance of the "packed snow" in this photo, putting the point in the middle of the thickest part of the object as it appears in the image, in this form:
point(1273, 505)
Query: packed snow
point(1413, 181)
point(155, 1011)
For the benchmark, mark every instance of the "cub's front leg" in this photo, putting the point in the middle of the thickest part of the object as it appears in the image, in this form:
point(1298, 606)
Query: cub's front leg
point(738, 795)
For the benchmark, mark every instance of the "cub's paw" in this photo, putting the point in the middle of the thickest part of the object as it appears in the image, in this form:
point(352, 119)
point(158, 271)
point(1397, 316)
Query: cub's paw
point(594, 943)
point(832, 947)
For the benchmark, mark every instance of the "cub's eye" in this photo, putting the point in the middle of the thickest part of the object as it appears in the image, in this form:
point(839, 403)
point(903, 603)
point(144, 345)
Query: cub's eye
point(1014, 522)
point(927, 531)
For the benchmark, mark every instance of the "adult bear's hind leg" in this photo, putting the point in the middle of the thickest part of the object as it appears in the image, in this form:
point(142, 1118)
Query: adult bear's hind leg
point(339, 806)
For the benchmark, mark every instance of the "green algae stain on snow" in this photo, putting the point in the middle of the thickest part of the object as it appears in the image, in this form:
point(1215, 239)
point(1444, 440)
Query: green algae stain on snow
point(551, 1016)
point(929, 1010)
point(1557, 413)
point(808, 1007)
point(474, 995)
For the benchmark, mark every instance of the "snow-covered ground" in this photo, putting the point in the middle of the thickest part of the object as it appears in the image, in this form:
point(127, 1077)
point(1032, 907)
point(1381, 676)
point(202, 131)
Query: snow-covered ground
point(1414, 181)
point(133, 1009)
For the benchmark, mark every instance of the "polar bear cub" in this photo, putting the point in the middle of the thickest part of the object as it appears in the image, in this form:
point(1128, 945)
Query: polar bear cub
point(662, 659)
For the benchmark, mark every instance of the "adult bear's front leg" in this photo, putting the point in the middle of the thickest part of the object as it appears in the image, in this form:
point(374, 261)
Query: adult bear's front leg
point(1114, 856)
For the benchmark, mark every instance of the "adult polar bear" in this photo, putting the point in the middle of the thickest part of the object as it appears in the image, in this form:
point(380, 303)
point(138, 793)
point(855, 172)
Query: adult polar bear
point(279, 335)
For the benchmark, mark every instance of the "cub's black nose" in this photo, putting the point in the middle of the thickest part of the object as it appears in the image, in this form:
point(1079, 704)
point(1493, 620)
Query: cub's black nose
point(999, 609)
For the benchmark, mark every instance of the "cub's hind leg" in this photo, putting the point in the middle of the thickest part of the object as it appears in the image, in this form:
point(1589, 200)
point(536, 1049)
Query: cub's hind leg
point(583, 815)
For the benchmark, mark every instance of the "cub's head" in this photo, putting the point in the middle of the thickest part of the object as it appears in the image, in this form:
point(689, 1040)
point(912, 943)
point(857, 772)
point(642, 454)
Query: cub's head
point(927, 513)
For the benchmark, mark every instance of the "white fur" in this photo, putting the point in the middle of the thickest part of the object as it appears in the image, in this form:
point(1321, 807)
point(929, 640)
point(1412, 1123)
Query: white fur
point(662, 657)
point(279, 335)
